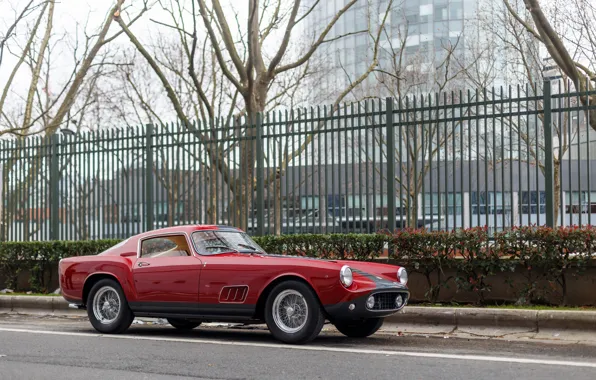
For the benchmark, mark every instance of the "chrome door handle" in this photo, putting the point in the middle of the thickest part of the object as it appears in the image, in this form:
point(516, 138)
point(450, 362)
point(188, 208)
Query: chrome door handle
point(143, 264)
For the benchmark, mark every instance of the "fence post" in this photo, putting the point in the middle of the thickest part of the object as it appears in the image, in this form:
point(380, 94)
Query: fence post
point(260, 177)
point(149, 201)
point(391, 214)
point(549, 185)
point(54, 188)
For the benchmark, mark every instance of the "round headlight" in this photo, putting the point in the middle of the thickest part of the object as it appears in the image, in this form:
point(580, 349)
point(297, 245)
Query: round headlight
point(345, 276)
point(402, 275)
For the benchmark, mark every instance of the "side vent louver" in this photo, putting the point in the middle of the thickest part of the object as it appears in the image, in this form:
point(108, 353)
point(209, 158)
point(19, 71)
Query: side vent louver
point(233, 294)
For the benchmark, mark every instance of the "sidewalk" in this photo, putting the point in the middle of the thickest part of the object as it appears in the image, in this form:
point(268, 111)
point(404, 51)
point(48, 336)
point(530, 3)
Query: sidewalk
point(515, 324)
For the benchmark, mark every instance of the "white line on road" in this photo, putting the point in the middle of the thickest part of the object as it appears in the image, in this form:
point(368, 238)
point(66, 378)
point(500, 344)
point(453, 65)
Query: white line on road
point(317, 348)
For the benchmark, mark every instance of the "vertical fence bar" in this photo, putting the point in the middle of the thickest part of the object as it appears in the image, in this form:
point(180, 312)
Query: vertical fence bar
point(477, 128)
point(374, 151)
point(503, 191)
point(462, 156)
point(54, 188)
point(579, 158)
point(446, 160)
point(408, 164)
point(423, 158)
point(390, 164)
point(548, 158)
point(588, 157)
point(494, 141)
point(149, 178)
point(430, 159)
point(260, 179)
point(511, 156)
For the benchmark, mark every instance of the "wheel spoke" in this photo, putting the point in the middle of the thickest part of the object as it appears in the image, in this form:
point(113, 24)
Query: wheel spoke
point(290, 311)
point(106, 305)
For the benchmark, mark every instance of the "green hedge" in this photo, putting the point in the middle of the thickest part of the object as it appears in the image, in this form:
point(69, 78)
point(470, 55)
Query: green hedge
point(39, 257)
point(542, 255)
point(466, 258)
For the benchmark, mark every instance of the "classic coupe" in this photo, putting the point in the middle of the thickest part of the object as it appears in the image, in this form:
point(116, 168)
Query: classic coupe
point(202, 273)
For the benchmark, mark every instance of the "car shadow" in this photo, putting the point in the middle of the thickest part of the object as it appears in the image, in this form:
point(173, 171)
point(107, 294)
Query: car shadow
point(249, 335)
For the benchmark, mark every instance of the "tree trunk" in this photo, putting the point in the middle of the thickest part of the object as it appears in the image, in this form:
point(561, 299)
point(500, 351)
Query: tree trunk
point(212, 196)
point(244, 187)
point(557, 195)
point(275, 217)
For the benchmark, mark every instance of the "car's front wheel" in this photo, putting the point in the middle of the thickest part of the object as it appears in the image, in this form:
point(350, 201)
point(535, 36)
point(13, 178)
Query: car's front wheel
point(107, 307)
point(359, 329)
point(183, 324)
point(293, 313)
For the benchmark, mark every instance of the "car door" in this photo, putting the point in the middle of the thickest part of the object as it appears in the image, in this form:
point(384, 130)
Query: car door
point(167, 275)
point(229, 284)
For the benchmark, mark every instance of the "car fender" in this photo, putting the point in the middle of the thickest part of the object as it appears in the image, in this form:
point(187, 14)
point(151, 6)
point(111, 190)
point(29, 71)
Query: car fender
point(121, 271)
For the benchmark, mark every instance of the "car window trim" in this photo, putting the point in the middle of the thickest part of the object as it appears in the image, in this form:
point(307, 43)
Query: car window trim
point(165, 234)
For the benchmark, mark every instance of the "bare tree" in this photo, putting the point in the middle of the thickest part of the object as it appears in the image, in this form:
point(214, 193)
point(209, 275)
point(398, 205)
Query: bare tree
point(40, 110)
point(242, 61)
point(542, 29)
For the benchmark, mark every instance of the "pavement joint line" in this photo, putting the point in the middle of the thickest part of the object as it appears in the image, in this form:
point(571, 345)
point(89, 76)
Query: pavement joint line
point(320, 348)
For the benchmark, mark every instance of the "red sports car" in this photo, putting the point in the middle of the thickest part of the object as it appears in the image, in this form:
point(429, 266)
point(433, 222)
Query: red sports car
point(195, 274)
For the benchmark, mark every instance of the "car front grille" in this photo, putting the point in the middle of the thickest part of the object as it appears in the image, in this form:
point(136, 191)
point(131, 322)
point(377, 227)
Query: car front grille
point(386, 300)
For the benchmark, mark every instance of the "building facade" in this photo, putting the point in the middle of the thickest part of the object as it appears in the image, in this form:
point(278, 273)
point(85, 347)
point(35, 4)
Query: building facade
point(418, 37)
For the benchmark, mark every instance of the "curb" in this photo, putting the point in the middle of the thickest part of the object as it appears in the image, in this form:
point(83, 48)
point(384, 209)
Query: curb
point(412, 315)
point(497, 318)
point(38, 304)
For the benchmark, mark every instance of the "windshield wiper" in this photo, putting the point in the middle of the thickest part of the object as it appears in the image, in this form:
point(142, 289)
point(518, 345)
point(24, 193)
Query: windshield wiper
point(248, 246)
point(223, 247)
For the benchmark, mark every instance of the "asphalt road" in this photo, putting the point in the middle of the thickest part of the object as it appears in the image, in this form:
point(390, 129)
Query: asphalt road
point(59, 348)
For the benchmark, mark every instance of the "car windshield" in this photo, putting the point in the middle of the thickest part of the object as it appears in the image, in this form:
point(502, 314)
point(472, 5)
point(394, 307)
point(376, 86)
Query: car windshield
point(218, 241)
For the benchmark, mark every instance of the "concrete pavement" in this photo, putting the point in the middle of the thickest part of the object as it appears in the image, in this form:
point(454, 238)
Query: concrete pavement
point(43, 347)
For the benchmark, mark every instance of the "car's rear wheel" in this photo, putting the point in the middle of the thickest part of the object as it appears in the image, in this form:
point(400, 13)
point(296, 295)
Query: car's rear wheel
point(107, 307)
point(293, 313)
point(361, 328)
point(183, 324)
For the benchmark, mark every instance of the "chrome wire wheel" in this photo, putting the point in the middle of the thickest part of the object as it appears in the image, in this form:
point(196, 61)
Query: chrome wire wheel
point(106, 305)
point(290, 311)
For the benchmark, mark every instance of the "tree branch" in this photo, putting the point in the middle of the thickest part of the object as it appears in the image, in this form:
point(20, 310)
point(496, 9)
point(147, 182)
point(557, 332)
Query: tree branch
point(319, 41)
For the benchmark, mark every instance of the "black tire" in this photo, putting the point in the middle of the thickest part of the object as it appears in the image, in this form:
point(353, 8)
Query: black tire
point(314, 315)
point(124, 317)
point(360, 328)
point(183, 324)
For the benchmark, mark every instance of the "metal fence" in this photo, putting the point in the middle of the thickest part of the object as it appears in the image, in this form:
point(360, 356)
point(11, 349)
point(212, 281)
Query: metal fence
point(496, 158)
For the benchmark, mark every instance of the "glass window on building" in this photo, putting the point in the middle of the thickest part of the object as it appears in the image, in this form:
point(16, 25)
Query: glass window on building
point(443, 204)
point(533, 202)
point(130, 213)
point(412, 15)
point(491, 203)
point(576, 202)
point(361, 22)
point(456, 10)
point(309, 203)
point(441, 12)
point(162, 210)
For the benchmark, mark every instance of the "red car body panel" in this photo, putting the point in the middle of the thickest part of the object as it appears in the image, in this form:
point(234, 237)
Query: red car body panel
point(225, 285)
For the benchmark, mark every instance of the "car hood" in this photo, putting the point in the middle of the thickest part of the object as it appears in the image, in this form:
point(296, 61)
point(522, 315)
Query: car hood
point(383, 275)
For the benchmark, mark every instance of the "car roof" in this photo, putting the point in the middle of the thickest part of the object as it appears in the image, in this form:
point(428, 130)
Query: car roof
point(188, 228)
point(131, 242)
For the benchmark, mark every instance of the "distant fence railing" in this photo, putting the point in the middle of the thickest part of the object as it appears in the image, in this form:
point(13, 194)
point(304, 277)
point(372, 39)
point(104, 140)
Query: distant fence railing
point(497, 158)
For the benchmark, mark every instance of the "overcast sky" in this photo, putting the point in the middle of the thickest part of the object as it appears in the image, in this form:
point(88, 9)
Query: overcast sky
point(72, 15)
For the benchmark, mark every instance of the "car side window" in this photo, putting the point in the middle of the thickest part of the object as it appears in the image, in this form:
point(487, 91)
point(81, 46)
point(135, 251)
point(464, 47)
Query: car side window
point(165, 246)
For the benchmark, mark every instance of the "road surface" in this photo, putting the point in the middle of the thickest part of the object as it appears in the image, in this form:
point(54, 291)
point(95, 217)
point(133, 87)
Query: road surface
point(61, 348)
